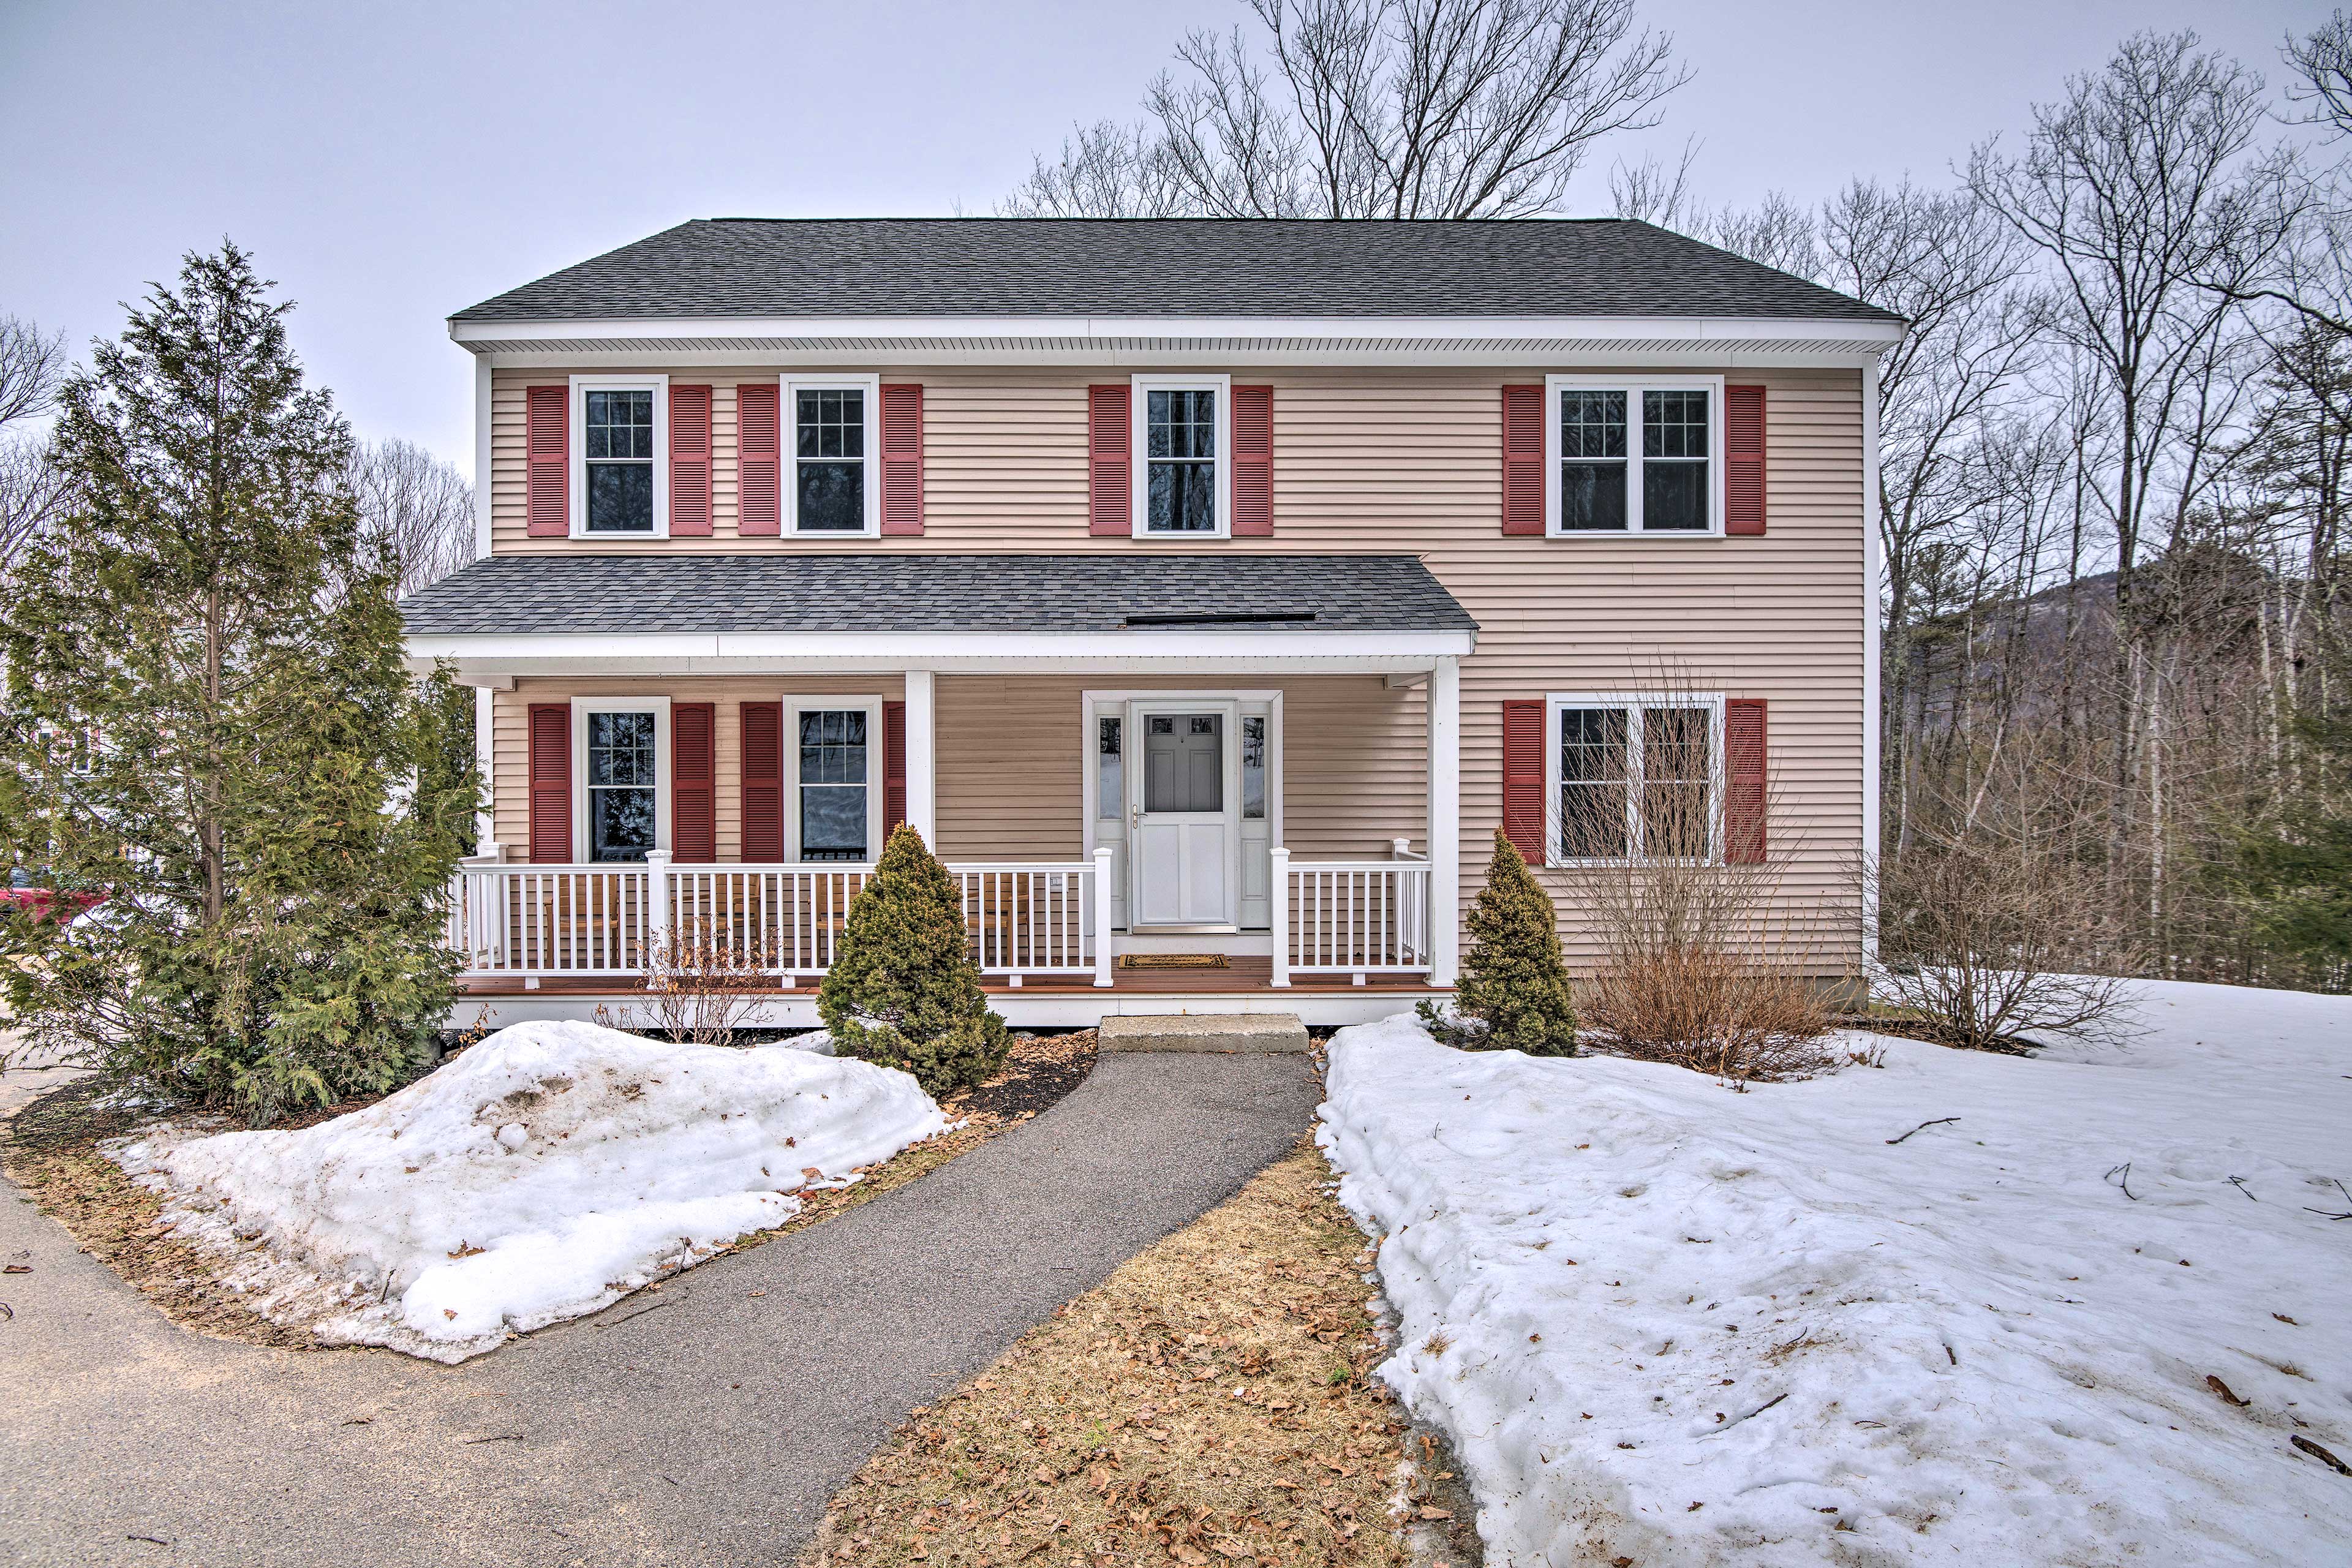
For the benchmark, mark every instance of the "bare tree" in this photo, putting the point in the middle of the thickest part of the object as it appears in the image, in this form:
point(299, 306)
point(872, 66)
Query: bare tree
point(2322, 62)
point(1380, 109)
point(32, 365)
point(421, 504)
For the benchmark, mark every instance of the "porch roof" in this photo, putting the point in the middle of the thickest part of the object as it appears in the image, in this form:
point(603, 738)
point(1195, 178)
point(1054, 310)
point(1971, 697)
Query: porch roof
point(1207, 595)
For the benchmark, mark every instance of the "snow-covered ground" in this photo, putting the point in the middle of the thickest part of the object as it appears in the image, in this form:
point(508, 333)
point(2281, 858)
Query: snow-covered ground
point(544, 1173)
point(1674, 1324)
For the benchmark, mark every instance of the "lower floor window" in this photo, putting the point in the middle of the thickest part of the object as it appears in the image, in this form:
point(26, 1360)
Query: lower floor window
point(833, 784)
point(623, 786)
point(1636, 778)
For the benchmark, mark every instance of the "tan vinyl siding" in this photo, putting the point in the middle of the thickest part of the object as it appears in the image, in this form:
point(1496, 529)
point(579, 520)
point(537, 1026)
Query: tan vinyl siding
point(511, 762)
point(1392, 461)
point(1012, 754)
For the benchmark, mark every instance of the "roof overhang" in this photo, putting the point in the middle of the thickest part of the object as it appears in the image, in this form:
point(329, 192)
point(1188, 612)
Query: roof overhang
point(1182, 339)
point(484, 659)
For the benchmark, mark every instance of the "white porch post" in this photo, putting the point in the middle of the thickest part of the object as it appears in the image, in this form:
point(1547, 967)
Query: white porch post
point(1102, 916)
point(657, 914)
point(484, 818)
point(922, 768)
point(1444, 820)
point(1279, 891)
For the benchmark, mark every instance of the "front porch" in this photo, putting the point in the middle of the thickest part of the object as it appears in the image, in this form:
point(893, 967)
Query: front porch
point(1250, 763)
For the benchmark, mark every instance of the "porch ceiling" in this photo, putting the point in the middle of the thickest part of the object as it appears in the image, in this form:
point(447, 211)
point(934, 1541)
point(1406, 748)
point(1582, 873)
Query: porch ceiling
point(675, 612)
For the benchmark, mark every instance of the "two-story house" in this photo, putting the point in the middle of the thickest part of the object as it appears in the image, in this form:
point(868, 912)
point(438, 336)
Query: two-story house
point(1205, 592)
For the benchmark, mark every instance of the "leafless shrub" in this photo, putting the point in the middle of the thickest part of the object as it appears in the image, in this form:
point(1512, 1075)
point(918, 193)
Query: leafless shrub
point(700, 986)
point(1700, 962)
point(1980, 939)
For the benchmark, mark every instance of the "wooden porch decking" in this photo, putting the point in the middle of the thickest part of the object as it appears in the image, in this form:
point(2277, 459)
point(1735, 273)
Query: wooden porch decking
point(1245, 973)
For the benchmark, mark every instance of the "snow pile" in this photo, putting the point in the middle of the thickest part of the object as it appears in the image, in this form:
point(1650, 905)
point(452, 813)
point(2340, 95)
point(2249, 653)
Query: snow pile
point(542, 1174)
point(1668, 1322)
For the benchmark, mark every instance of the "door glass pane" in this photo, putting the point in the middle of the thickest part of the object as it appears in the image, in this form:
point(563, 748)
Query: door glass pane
point(1184, 764)
point(1253, 768)
point(1592, 783)
point(1110, 778)
point(1676, 818)
point(833, 784)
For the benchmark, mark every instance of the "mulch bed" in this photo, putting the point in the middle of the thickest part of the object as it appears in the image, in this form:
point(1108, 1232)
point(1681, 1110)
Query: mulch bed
point(50, 1151)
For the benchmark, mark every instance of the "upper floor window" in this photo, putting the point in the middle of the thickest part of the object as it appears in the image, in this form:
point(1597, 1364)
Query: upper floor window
point(1635, 456)
point(832, 487)
point(620, 458)
point(1183, 445)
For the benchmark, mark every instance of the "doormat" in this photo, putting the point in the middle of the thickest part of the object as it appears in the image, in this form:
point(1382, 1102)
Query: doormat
point(1174, 961)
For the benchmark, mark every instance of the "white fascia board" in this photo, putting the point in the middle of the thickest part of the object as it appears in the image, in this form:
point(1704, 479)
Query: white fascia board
point(1175, 339)
point(686, 652)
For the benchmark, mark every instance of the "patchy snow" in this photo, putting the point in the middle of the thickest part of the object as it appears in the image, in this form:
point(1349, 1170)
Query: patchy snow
point(1668, 1322)
point(544, 1173)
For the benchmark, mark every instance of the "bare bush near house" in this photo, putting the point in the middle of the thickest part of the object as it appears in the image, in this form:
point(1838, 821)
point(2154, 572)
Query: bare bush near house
point(700, 986)
point(1701, 963)
point(1986, 935)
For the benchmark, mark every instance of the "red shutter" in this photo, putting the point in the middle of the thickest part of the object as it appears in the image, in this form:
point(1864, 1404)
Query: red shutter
point(1523, 460)
point(689, 462)
point(1253, 462)
point(894, 767)
point(549, 729)
point(693, 769)
point(1743, 460)
point(763, 782)
point(547, 481)
point(1744, 740)
point(902, 461)
point(1523, 779)
point(758, 462)
point(1110, 464)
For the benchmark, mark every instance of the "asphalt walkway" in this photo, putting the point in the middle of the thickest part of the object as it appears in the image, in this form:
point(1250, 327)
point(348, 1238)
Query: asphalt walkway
point(708, 1423)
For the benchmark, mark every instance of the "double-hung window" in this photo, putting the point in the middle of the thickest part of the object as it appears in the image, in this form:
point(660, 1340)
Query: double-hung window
point(834, 757)
point(1184, 444)
point(1636, 776)
point(620, 458)
point(622, 748)
point(1635, 457)
point(831, 487)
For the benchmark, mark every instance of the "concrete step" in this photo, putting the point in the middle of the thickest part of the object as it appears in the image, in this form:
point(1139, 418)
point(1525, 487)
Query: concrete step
point(1204, 1032)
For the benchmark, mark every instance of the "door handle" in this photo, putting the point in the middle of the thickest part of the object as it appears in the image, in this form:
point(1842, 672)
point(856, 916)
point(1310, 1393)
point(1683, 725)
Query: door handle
point(1135, 816)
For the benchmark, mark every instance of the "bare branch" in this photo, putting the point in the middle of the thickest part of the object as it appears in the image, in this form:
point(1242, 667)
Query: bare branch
point(31, 367)
point(418, 505)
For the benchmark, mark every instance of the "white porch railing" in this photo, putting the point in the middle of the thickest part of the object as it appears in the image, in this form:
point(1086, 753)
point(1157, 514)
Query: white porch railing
point(531, 922)
point(1358, 917)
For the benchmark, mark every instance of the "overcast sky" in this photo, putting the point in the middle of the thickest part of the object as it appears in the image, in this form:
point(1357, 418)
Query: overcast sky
point(390, 164)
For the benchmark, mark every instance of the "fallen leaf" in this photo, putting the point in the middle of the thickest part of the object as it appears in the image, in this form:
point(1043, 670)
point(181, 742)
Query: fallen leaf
point(1430, 1511)
point(2218, 1386)
point(17, 1269)
point(451, 1312)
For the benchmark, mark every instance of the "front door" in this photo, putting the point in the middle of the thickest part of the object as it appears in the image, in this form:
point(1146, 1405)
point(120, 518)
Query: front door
point(1183, 816)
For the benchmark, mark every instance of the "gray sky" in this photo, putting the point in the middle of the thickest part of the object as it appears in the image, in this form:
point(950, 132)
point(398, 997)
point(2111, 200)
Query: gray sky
point(392, 164)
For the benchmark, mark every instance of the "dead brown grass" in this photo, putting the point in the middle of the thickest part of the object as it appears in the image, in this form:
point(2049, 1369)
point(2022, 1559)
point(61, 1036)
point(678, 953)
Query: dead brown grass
point(1209, 1403)
point(50, 1151)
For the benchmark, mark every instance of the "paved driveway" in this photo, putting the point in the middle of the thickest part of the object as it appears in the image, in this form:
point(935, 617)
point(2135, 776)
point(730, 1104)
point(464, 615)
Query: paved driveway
point(703, 1423)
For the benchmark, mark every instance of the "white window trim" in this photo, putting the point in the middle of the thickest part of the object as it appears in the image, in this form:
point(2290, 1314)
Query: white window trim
point(1138, 439)
point(581, 708)
point(874, 781)
point(581, 386)
point(1632, 387)
point(1631, 703)
point(788, 435)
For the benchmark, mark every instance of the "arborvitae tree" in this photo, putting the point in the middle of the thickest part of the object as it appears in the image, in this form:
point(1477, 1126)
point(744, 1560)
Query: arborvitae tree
point(904, 989)
point(208, 720)
point(1513, 993)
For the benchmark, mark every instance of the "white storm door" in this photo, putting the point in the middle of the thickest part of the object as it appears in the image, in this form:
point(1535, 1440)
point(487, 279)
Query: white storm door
point(1183, 815)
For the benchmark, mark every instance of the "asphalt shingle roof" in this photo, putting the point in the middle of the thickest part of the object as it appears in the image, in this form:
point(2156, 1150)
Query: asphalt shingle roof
point(1127, 591)
point(1166, 267)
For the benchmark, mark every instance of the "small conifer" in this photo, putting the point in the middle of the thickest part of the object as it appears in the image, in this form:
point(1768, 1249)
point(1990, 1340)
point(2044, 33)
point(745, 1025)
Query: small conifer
point(904, 989)
point(1513, 993)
